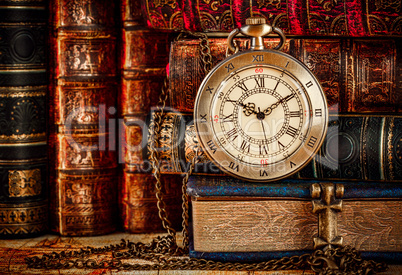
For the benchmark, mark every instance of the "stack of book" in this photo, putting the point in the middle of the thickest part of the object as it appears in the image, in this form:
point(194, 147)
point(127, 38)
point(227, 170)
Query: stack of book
point(107, 66)
point(23, 94)
point(353, 49)
point(144, 56)
point(82, 111)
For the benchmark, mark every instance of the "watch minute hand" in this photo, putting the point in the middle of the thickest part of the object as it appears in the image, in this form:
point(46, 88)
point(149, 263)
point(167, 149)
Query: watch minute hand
point(273, 106)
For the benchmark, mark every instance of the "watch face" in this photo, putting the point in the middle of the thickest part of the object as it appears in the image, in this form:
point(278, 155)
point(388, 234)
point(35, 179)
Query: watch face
point(260, 115)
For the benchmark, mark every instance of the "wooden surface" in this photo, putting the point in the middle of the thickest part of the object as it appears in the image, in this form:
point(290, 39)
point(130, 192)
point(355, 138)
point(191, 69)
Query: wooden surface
point(13, 252)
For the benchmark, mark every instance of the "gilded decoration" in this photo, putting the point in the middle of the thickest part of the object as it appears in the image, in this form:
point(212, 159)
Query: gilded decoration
point(267, 3)
point(388, 4)
point(24, 183)
point(133, 153)
point(81, 11)
point(323, 59)
point(390, 147)
point(208, 22)
point(226, 21)
point(23, 214)
point(79, 193)
point(375, 74)
point(376, 25)
point(80, 106)
point(317, 24)
point(93, 57)
point(81, 154)
point(166, 142)
point(161, 3)
point(94, 191)
point(22, 114)
point(213, 4)
point(192, 146)
point(327, 5)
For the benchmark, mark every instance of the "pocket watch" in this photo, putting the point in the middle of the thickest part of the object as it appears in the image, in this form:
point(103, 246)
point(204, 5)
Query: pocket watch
point(260, 114)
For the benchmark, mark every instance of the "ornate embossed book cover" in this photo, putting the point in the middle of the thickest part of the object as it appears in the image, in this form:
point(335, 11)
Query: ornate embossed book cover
point(356, 75)
point(23, 93)
point(354, 18)
point(82, 138)
point(144, 56)
point(357, 147)
point(243, 221)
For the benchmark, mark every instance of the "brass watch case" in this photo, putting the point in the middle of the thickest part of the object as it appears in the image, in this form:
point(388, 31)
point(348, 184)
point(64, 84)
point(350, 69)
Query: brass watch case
point(312, 90)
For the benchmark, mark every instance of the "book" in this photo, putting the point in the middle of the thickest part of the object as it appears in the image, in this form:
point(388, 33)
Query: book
point(82, 110)
point(357, 75)
point(138, 203)
point(23, 94)
point(144, 56)
point(354, 18)
point(233, 220)
point(356, 148)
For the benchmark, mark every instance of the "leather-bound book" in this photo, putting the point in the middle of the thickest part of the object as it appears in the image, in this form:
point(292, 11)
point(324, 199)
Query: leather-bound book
point(23, 94)
point(143, 61)
point(233, 220)
point(357, 75)
point(82, 125)
point(354, 18)
point(356, 147)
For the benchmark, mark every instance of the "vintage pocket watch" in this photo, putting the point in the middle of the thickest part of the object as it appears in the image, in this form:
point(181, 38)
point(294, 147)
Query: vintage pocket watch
point(260, 114)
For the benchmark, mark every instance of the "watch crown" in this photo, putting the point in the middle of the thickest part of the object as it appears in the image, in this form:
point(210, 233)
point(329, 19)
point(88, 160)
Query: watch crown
point(255, 21)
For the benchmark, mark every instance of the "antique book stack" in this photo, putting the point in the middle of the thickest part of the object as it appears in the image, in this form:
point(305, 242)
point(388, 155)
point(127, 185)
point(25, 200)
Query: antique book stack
point(23, 92)
point(144, 56)
point(83, 91)
point(355, 179)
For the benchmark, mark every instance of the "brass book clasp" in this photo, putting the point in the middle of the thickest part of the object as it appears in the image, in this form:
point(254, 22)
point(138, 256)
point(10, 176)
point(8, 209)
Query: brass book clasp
point(327, 204)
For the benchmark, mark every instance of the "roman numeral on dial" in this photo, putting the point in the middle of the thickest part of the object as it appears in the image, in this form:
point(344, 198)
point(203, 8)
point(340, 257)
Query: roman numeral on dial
point(260, 82)
point(291, 131)
point(212, 146)
point(245, 146)
point(263, 149)
point(234, 166)
point(263, 173)
point(311, 141)
point(295, 114)
point(243, 86)
point(232, 134)
point(228, 118)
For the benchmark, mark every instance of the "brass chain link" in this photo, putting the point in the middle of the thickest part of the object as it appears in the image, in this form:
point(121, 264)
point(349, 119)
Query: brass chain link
point(163, 251)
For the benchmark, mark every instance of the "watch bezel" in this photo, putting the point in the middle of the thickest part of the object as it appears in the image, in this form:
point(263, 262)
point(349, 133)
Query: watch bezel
point(205, 133)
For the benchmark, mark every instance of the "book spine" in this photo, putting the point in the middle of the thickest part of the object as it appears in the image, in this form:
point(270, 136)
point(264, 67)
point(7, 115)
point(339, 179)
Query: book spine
point(359, 147)
point(83, 81)
point(143, 60)
point(352, 18)
point(356, 75)
point(23, 93)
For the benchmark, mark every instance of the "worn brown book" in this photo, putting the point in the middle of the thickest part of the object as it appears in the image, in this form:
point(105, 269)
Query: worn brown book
point(23, 95)
point(236, 220)
point(83, 91)
point(143, 61)
point(356, 75)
